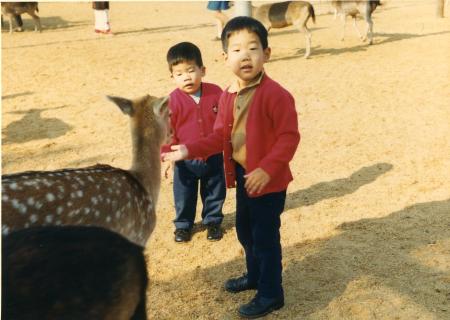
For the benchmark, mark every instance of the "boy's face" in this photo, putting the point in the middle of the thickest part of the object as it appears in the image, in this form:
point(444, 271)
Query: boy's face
point(245, 55)
point(188, 76)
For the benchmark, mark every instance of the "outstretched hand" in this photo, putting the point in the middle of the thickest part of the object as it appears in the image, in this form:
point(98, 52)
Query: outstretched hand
point(179, 152)
point(256, 180)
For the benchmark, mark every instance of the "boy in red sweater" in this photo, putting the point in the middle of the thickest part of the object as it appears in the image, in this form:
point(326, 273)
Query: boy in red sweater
point(194, 107)
point(257, 129)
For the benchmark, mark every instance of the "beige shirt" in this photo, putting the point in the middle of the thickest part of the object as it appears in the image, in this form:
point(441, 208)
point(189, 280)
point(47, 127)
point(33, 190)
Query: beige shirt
point(240, 111)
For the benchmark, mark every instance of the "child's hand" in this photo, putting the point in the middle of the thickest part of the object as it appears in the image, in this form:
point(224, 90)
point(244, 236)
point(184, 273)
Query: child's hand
point(256, 180)
point(179, 152)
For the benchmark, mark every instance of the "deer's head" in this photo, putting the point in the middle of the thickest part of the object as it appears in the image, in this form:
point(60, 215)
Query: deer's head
point(149, 115)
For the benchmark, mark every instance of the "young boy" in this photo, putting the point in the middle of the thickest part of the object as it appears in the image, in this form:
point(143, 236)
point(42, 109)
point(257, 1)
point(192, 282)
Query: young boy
point(194, 106)
point(258, 131)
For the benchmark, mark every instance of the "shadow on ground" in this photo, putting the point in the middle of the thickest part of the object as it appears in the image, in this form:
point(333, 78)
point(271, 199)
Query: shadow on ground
point(319, 272)
point(33, 127)
point(324, 190)
point(379, 39)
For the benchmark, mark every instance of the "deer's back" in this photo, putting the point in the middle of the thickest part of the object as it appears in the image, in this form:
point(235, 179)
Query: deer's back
point(9, 8)
point(99, 195)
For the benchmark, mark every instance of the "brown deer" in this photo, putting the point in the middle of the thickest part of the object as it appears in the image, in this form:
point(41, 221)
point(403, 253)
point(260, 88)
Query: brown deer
point(72, 272)
point(283, 14)
point(120, 200)
point(13, 9)
point(354, 8)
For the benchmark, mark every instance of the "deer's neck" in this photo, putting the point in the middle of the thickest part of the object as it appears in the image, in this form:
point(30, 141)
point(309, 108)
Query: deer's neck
point(146, 165)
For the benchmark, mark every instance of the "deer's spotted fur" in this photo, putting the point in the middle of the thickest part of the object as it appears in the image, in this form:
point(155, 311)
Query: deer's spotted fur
point(120, 200)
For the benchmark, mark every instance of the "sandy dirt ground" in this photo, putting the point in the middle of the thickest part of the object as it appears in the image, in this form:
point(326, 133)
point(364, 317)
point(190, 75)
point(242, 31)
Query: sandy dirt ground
point(366, 230)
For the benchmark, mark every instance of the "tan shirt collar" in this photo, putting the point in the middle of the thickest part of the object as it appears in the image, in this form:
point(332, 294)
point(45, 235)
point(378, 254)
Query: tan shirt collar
point(234, 87)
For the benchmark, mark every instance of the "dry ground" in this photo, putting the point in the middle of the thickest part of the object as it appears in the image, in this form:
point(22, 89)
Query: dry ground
point(366, 231)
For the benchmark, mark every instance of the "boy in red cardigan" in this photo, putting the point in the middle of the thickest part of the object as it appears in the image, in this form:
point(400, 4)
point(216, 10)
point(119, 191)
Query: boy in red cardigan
point(257, 130)
point(194, 106)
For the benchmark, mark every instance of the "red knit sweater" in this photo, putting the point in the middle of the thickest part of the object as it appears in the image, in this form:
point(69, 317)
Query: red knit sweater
point(272, 135)
point(191, 121)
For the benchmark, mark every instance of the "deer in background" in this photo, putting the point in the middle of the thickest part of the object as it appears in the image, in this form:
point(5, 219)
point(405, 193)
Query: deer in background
point(72, 272)
point(353, 8)
point(283, 14)
point(120, 200)
point(14, 9)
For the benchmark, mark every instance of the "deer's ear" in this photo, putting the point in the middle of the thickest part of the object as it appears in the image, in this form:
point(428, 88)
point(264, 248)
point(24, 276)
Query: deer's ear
point(124, 104)
point(161, 106)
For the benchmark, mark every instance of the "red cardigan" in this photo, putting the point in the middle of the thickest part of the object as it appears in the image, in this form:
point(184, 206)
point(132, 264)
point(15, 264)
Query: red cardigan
point(191, 121)
point(272, 135)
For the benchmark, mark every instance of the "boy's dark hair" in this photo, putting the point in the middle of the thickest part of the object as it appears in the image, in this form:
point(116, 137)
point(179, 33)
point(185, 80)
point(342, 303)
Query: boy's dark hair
point(182, 52)
point(244, 23)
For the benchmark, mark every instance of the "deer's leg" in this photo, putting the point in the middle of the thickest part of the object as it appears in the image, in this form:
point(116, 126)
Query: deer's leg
point(369, 32)
point(10, 17)
point(19, 22)
point(308, 41)
point(37, 22)
point(343, 26)
point(355, 26)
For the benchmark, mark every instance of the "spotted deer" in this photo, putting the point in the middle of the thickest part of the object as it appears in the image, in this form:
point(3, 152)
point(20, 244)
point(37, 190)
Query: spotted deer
point(14, 9)
point(72, 272)
point(287, 13)
point(354, 8)
point(120, 200)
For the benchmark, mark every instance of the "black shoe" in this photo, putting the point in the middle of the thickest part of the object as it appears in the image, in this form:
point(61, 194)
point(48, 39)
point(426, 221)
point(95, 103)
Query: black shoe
point(214, 232)
point(239, 284)
point(182, 235)
point(260, 306)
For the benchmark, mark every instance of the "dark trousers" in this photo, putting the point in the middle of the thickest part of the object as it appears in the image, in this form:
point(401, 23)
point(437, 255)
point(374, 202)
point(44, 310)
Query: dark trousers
point(258, 230)
point(187, 176)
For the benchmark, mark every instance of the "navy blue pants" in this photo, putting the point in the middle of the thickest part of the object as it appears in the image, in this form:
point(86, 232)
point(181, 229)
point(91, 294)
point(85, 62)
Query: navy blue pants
point(258, 230)
point(187, 176)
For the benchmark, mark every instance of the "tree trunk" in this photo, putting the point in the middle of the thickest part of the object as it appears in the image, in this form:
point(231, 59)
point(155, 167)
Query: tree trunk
point(440, 8)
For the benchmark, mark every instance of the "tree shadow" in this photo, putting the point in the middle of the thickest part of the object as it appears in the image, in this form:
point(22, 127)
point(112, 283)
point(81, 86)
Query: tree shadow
point(165, 29)
point(49, 23)
point(33, 127)
point(381, 250)
point(53, 23)
point(117, 34)
point(377, 254)
point(15, 95)
point(318, 52)
point(336, 188)
point(326, 190)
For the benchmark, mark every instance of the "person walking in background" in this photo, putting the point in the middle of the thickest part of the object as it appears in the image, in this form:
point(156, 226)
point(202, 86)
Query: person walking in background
point(221, 18)
point(101, 14)
point(194, 107)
